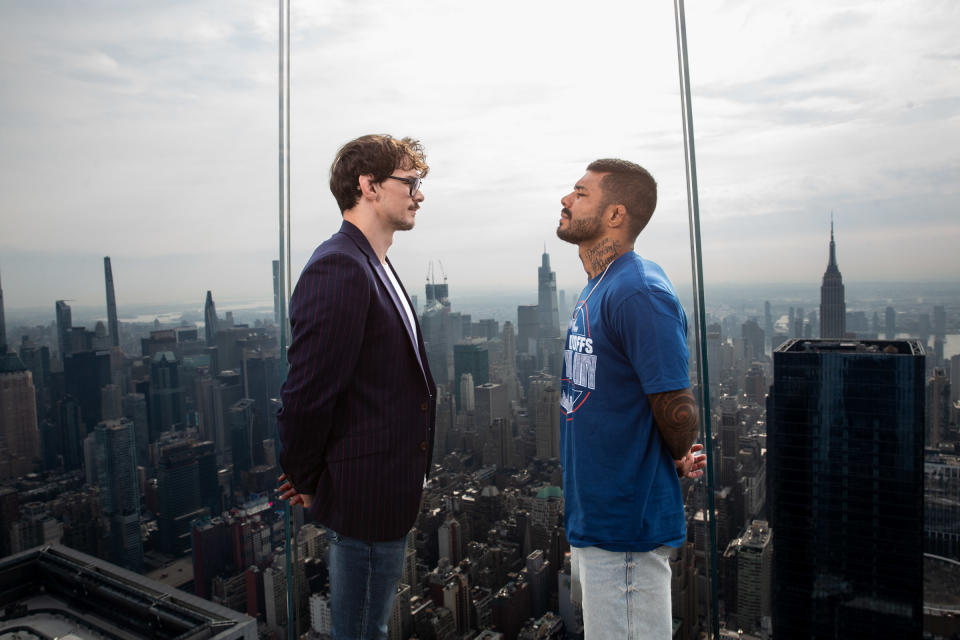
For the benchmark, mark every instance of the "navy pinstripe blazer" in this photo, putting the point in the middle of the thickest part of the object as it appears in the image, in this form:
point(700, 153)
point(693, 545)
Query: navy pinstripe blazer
point(358, 404)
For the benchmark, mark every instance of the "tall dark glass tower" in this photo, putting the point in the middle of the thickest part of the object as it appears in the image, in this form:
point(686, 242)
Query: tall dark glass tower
point(470, 357)
point(165, 402)
point(276, 292)
point(845, 489)
point(262, 378)
point(119, 490)
point(113, 325)
point(833, 308)
point(178, 497)
point(3, 326)
point(528, 328)
point(64, 327)
point(547, 299)
point(210, 321)
point(84, 374)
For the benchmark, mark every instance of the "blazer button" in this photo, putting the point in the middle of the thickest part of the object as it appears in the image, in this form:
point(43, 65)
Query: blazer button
point(423, 446)
point(423, 407)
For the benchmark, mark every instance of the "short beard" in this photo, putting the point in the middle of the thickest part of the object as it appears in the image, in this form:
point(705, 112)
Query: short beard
point(580, 230)
point(399, 224)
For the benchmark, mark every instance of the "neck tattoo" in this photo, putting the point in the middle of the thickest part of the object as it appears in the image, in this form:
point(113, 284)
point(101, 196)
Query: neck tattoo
point(603, 254)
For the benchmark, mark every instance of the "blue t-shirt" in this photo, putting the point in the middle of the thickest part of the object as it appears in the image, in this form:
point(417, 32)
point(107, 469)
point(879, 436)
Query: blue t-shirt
point(628, 339)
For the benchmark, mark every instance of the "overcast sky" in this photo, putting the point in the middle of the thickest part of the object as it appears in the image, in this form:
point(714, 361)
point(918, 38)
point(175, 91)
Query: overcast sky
point(147, 131)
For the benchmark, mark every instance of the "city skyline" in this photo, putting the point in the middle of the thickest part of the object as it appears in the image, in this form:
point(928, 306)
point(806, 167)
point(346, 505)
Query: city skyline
point(149, 135)
point(186, 412)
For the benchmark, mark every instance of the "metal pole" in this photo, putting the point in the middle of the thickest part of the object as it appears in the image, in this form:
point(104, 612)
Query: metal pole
point(284, 267)
point(693, 208)
point(286, 212)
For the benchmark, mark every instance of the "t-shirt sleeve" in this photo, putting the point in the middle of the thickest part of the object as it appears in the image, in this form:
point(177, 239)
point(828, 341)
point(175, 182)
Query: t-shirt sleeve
point(652, 328)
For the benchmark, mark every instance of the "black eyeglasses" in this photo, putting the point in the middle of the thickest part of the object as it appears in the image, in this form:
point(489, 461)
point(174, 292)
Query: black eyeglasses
point(413, 182)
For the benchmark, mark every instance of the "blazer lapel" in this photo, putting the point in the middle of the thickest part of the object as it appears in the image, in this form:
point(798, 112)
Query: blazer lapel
point(361, 241)
point(380, 270)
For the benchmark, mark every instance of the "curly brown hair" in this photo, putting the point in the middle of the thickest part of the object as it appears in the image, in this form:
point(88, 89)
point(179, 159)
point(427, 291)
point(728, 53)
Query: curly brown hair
point(628, 184)
point(376, 154)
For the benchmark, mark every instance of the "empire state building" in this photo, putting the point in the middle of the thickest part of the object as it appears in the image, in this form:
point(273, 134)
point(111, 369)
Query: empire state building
point(833, 308)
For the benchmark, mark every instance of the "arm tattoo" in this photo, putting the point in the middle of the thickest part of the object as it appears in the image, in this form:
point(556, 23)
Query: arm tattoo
point(677, 419)
point(602, 255)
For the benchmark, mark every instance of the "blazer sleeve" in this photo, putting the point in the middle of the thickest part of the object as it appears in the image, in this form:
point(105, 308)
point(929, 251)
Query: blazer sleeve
point(328, 312)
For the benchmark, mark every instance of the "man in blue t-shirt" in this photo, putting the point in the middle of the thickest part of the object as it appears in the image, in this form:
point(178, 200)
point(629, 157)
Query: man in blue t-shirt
point(629, 418)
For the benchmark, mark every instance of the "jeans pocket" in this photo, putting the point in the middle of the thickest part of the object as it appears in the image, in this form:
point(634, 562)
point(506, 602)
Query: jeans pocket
point(333, 536)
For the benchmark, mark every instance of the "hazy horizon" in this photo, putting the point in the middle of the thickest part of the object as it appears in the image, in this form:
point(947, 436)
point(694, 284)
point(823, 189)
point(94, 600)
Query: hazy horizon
point(716, 294)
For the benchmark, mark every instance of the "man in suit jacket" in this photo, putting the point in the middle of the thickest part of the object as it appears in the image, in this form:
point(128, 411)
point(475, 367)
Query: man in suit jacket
point(358, 403)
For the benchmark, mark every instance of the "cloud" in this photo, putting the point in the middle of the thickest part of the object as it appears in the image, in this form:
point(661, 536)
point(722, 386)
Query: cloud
point(149, 132)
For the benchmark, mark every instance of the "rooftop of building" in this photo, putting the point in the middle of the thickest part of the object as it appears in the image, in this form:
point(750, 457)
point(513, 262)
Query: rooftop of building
point(174, 574)
point(10, 362)
point(550, 492)
point(53, 591)
point(890, 347)
point(757, 534)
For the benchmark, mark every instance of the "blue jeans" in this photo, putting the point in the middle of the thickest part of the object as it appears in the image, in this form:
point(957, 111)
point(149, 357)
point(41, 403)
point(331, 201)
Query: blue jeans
point(625, 595)
point(363, 585)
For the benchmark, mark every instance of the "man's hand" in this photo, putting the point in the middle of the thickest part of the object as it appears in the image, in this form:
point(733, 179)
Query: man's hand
point(287, 492)
point(692, 464)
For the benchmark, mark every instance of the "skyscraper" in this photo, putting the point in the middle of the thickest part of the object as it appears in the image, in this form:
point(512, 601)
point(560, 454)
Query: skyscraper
point(467, 392)
point(241, 424)
point(753, 341)
point(471, 357)
point(509, 346)
point(119, 490)
point(72, 432)
point(262, 378)
point(179, 498)
point(767, 328)
point(114, 326)
point(64, 327)
point(954, 378)
point(547, 299)
point(165, 399)
point(490, 402)
point(85, 373)
point(210, 320)
point(3, 325)
point(845, 476)
point(754, 551)
point(501, 435)
point(276, 292)
point(938, 406)
point(528, 328)
point(212, 545)
point(548, 422)
point(833, 308)
point(19, 433)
